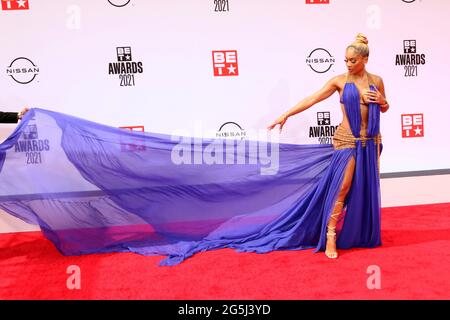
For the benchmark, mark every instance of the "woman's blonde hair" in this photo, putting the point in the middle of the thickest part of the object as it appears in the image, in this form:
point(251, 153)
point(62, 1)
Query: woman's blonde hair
point(360, 45)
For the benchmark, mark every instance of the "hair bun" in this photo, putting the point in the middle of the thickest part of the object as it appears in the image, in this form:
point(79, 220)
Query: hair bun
point(361, 38)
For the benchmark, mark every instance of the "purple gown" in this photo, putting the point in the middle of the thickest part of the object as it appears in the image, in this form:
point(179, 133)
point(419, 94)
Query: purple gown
point(93, 188)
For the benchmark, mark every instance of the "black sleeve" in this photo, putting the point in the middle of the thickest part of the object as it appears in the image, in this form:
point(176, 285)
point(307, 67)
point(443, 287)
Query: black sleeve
point(8, 117)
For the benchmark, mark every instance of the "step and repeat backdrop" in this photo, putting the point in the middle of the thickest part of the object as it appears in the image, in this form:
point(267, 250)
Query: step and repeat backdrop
point(228, 68)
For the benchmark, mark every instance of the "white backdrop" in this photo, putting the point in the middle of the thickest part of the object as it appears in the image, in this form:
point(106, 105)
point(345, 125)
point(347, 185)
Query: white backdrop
point(72, 43)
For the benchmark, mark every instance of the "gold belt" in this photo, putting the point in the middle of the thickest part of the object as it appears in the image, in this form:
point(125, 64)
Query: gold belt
point(343, 138)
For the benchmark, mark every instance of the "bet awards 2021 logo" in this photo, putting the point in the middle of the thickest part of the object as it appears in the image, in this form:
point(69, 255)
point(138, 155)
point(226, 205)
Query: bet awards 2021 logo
point(413, 125)
point(225, 63)
point(22, 70)
point(221, 6)
point(125, 67)
point(31, 145)
point(324, 131)
point(410, 59)
point(317, 1)
point(9, 5)
point(132, 143)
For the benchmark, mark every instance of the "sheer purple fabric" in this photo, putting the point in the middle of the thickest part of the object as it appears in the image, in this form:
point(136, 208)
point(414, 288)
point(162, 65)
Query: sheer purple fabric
point(93, 188)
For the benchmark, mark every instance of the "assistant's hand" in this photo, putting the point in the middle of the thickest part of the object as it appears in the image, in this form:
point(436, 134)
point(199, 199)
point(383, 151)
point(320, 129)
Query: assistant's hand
point(280, 121)
point(22, 112)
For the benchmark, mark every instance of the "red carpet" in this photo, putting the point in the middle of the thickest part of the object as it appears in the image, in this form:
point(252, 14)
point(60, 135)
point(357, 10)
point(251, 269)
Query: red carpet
point(414, 263)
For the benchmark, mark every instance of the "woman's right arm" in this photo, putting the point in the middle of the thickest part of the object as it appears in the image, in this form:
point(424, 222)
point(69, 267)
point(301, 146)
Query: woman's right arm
point(328, 89)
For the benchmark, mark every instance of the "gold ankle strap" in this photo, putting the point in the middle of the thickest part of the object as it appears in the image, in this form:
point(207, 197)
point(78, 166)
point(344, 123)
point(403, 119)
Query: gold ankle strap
point(337, 209)
point(331, 234)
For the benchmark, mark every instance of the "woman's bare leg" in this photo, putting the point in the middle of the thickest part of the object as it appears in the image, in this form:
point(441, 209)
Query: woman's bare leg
point(330, 250)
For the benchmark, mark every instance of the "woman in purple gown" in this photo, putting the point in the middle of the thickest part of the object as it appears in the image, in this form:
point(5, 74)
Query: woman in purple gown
point(357, 145)
point(96, 188)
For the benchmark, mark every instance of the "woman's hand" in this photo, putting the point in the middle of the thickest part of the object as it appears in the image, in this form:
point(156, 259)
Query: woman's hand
point(370, 96)
point(281, 121)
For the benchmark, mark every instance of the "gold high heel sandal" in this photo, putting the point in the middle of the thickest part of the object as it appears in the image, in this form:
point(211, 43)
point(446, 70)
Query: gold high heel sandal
point(331, 231)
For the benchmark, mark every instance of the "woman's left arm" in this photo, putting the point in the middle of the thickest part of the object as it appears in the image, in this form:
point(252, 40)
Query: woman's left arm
point(384, 105)
point(378, 96)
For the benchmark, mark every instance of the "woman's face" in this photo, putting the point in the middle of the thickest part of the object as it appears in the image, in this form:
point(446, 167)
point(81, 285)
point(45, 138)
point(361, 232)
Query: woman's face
point(354, 61)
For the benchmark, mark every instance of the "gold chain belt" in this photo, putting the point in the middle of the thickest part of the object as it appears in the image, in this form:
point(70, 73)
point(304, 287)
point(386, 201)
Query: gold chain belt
point(343, 138)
